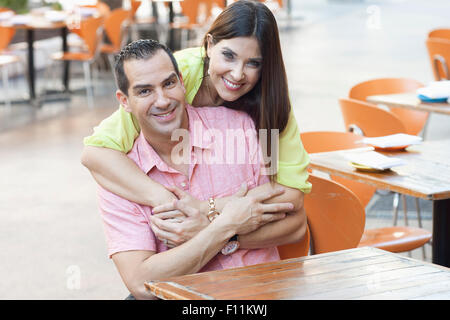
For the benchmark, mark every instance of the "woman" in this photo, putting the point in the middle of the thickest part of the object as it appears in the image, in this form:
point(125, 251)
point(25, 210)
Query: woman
point(239, 66)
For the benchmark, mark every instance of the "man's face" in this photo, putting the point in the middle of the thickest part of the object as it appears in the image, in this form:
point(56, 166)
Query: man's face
point(155, 95)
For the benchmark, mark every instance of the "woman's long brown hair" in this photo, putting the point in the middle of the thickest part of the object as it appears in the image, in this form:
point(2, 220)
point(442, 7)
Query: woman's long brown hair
point(268, 102)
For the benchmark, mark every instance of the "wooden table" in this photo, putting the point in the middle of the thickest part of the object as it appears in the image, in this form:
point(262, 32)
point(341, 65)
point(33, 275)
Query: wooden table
point(361, 273)
point(426, 175)
point(409, 101)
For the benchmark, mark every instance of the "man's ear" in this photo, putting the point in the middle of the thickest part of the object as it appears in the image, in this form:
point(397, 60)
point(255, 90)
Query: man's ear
point(180, 76)
point(123, 100)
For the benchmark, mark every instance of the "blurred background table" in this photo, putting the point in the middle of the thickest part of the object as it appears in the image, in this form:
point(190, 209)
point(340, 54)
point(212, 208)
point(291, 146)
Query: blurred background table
point(409, 101)
point(426, 175)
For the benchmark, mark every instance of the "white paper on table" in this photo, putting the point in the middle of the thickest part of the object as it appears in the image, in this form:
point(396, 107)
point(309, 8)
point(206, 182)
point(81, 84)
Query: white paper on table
point(374, 159)
point(436, 90)
point(20, 19)
point(393, 140)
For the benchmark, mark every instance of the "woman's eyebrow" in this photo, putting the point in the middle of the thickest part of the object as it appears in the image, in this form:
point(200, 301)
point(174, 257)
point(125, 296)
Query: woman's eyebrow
point(235, 54)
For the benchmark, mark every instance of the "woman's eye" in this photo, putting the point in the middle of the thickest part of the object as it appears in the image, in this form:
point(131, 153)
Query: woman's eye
point(228, 55)
point(254, 64)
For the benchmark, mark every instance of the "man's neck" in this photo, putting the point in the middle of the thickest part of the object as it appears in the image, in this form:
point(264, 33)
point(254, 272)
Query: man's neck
point(164, 145)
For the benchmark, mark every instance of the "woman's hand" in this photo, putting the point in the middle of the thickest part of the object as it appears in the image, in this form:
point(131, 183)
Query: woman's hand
point(246, 214)
point(174, 220)
point(178, 224)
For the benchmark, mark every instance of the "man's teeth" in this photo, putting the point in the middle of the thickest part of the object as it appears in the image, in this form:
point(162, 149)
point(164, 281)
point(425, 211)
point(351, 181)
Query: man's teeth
point(232, 85)
point(165, 114)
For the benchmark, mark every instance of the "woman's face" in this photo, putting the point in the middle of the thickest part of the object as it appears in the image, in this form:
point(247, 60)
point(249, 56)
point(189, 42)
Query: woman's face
point(234, 66)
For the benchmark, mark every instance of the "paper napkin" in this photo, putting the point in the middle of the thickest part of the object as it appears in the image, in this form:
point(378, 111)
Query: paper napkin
point(393, 140)
point(374, 160)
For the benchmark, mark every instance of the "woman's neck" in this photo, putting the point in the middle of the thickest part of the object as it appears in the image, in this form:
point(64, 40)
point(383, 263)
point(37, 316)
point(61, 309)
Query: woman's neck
point(208, 94)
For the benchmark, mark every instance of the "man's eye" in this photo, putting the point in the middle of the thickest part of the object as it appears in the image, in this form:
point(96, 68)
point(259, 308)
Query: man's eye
point(170, 83)
point(144, 92)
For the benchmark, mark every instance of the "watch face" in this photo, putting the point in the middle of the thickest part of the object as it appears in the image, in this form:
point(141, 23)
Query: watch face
point(230, 247)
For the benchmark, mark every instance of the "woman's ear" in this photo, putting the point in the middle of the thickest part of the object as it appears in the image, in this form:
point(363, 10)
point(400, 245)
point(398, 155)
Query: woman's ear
point(209, 44)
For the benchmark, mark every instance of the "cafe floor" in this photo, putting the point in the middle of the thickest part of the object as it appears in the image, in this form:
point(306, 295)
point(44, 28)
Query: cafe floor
point(52, 241)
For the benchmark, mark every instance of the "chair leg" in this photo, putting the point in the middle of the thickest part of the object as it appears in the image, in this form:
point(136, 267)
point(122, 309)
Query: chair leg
point(419, 217)
point(6, 86)
point(405, 209)
point(395, 207)
point(89, 89)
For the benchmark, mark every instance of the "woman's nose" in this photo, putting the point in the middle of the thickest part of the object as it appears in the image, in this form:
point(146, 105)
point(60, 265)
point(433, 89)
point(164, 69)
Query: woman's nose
point(238, 73)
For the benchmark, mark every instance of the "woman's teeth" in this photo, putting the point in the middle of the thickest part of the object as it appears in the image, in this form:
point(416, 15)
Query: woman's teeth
point(231, 85)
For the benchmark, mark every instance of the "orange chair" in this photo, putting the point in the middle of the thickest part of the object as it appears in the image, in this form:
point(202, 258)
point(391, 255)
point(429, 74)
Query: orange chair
point(295, 250)
point(439, 33)
point(192, 10)
point(91, 32)
point(324, 141)
point(414, 121)
point(336, 219)
point(114, 28)
point(6, 59)
point(439, 53)
point(371, 121)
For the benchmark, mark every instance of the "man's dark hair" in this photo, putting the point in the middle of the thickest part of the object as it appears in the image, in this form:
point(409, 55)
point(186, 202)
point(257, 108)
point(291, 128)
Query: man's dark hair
point(139, 50)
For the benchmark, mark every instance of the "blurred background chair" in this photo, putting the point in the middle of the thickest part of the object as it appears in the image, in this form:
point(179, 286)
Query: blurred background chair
point(368, 120)
point(442, 33)
point(195, 18)
point(6, 59)
point(439, 53)
point(336, 218)
point(91, 32)
point(115, 27)
point(414, 121)
point(295, 250)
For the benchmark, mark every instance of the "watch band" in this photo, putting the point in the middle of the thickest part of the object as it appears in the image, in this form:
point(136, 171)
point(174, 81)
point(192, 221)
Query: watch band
point(212, 213)
point(232, 246)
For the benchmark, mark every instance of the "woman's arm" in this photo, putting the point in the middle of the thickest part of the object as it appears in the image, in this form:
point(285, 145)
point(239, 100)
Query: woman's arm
point(117, 173)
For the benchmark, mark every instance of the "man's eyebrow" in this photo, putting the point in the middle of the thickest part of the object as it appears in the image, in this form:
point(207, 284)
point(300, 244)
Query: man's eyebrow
point(141, 86)
point(170, 77)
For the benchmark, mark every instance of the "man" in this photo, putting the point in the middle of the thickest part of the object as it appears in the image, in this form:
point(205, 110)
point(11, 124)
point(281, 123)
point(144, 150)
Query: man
point(151, 88)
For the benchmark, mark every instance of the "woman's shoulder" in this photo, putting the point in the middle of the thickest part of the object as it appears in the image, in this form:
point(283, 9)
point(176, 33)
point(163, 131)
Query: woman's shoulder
point(189, 54)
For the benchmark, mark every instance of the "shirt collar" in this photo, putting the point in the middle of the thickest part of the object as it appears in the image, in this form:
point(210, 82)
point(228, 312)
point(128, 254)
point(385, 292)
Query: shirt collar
point(148, 158)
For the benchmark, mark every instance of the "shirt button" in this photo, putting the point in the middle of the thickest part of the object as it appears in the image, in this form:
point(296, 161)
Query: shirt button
point(183, 184)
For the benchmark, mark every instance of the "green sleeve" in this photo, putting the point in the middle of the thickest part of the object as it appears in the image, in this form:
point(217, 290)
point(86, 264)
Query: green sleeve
point(117, 132)
point(293, 158)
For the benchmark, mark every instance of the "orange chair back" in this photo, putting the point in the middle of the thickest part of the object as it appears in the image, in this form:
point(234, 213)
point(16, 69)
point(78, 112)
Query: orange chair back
point(103, 9)
point(373, 121)
point(295, 250)
point(135, 4)
point(439, 53)
point(89, 33)
point(439, 33)
point(336, 217)
point(413, 120)
point(325, 141)
point(191, 8)
point(113, 26)
point(6, 35)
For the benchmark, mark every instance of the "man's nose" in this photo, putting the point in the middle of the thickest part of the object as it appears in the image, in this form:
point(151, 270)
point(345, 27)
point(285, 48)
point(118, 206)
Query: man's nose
point(162, 101)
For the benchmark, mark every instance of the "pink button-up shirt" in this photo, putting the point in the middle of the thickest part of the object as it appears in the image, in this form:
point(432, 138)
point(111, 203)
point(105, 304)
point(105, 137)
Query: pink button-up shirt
point(218, 167)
